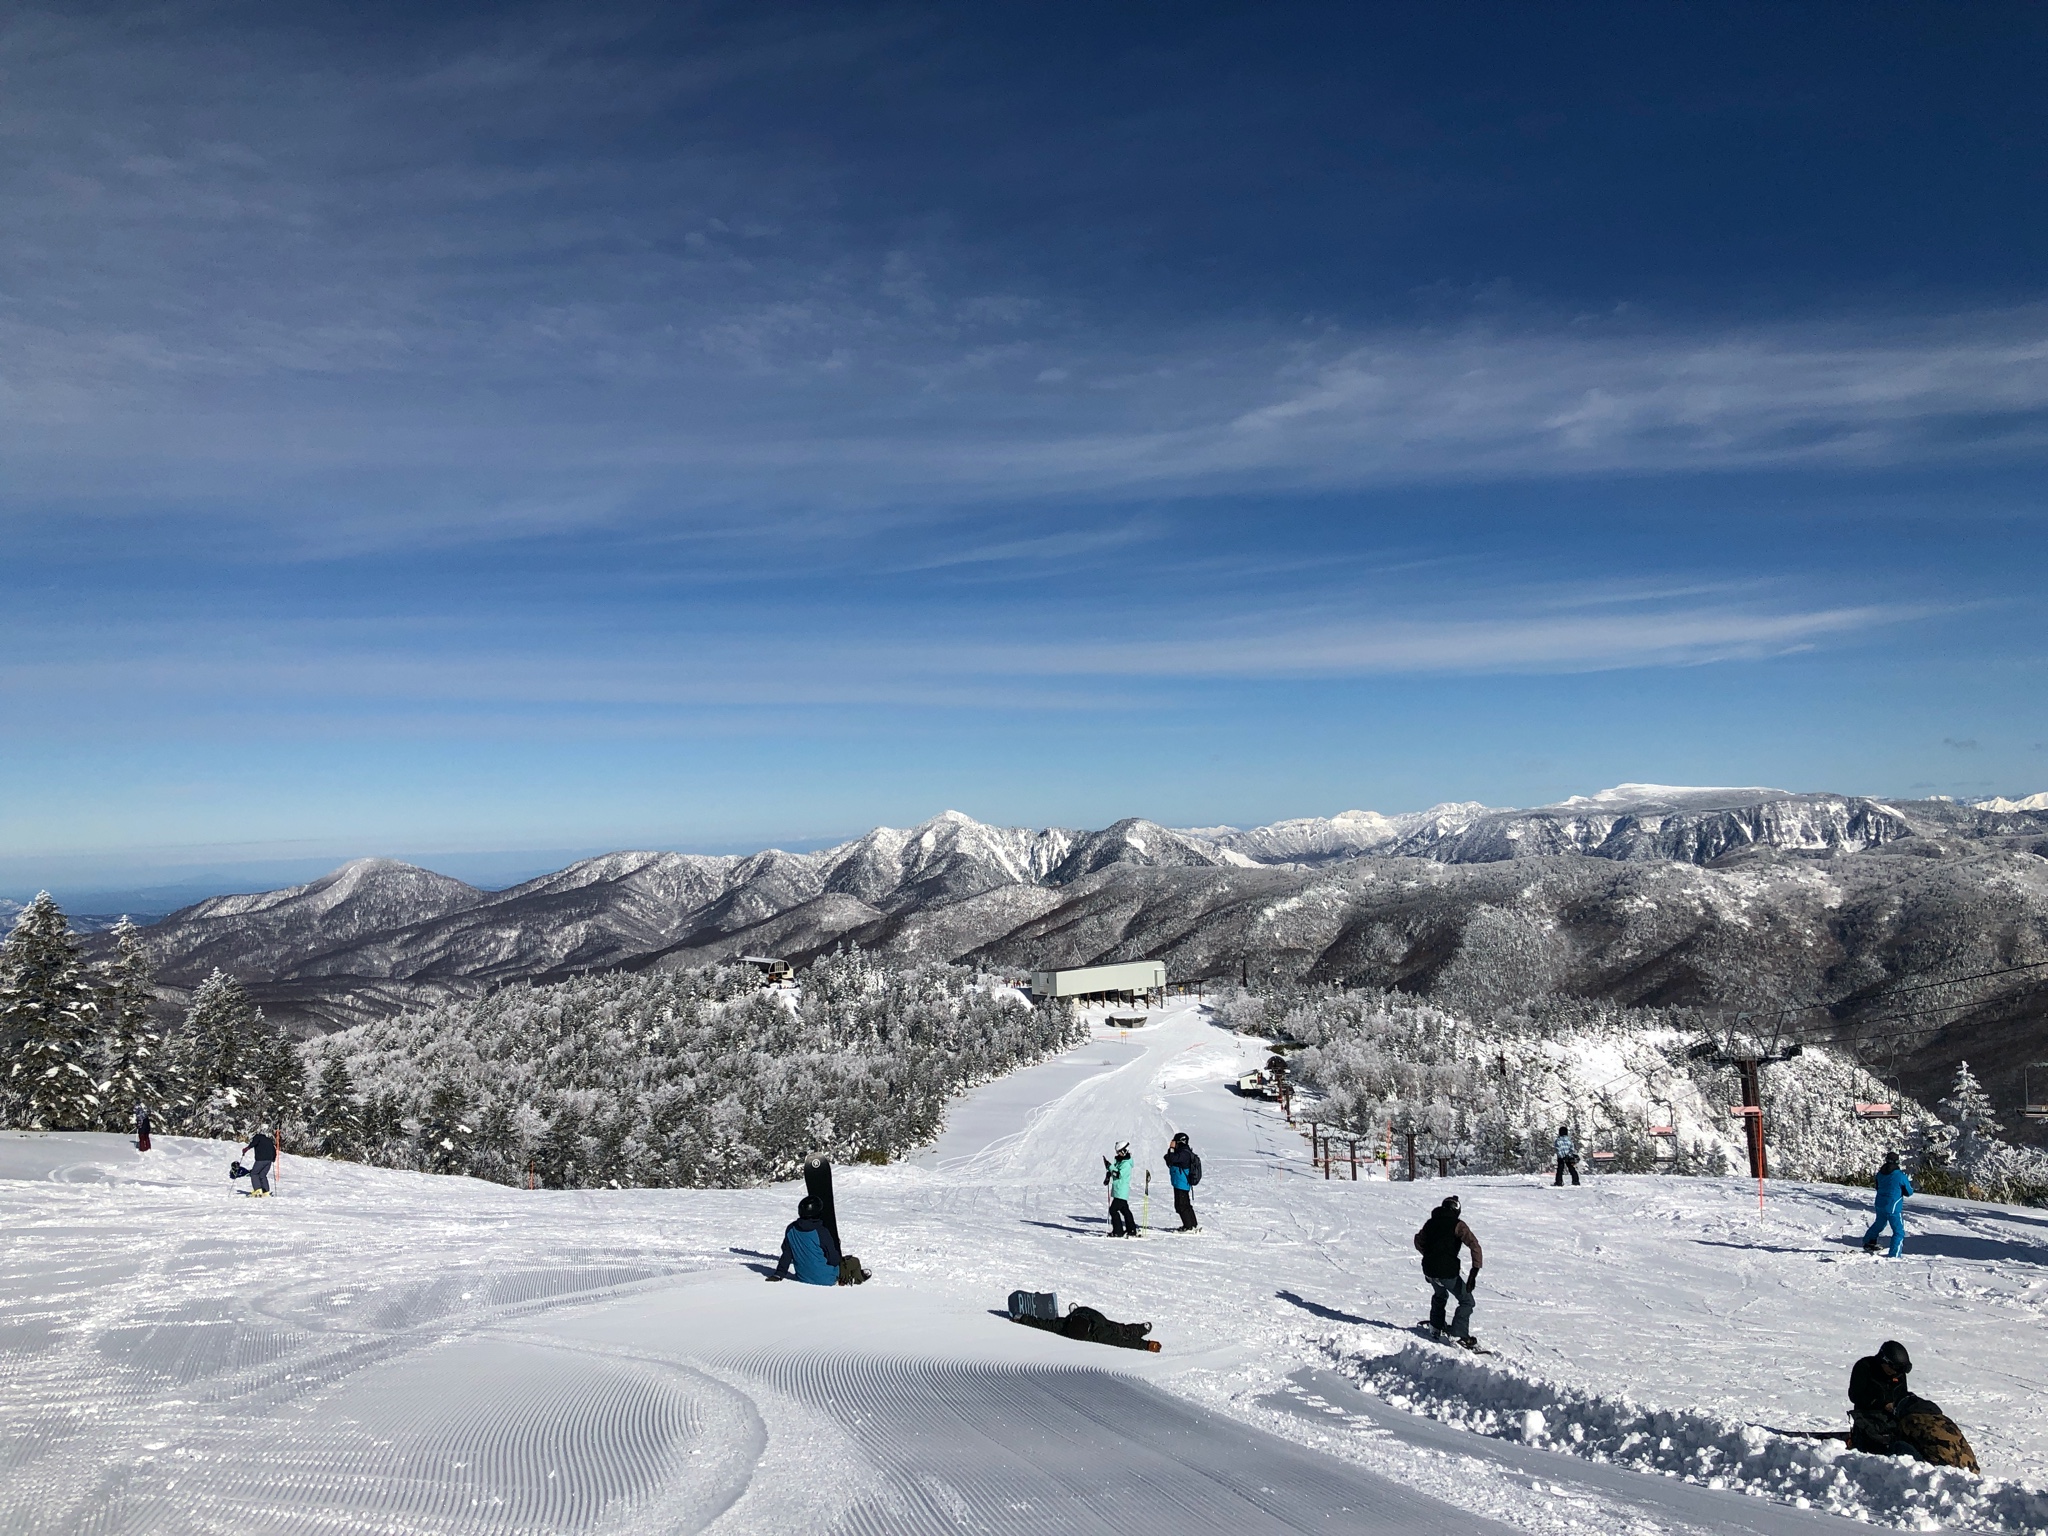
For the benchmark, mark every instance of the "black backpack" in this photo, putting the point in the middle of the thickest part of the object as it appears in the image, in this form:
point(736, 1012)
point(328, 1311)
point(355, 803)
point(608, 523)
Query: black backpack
point(1194, 1168)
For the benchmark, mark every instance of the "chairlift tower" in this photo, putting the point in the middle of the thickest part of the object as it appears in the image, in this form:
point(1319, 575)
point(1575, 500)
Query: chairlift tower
point(1749, 1062)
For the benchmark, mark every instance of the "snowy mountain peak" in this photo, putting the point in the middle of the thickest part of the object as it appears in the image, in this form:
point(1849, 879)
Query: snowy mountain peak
point(2000, 803)
point(1672, 794)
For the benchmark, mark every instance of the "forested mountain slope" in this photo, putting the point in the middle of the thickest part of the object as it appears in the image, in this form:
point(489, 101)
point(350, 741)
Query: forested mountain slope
point(1741, 899)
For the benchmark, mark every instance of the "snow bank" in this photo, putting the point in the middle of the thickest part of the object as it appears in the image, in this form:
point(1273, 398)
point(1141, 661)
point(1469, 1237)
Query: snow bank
point(1492, 1398)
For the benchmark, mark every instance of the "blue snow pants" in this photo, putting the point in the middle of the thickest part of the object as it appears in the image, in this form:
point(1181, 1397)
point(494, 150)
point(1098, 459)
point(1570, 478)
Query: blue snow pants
point(1896, 1219)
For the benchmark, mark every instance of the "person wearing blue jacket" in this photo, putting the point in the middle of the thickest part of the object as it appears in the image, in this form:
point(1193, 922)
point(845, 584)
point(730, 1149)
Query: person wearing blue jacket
point(809, 1246)
point(1892, 1188)
point(1117, 1175)
point(1185, 1169)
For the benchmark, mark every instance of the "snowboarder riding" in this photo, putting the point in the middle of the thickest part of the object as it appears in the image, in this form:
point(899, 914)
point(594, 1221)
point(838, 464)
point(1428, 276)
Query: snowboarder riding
point(1567, 1156)
point(1116, 1174)
point(1438, 1242)
point(1185, 1169)
point(1892, 1188)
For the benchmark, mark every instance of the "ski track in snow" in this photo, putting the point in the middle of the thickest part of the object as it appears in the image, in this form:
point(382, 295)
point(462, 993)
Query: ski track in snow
point(374, 1351)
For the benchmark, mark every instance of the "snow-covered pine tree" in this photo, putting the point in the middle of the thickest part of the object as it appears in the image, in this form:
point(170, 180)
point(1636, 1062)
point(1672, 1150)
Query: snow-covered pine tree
point(131, 1061)
point(49, 1011)
point(337, 1114)
point(444, 1137)
point(280, 1078)
point(222, 1052)
point(1976, 1153)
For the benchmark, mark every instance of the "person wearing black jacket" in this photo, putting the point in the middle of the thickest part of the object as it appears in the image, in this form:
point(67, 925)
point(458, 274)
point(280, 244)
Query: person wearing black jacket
point(1438, 1242)
point(1877, 1386)
point(263, 1146)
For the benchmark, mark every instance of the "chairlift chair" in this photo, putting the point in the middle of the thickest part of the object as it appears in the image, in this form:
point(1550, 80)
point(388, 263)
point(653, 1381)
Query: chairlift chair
point(1877, 1111)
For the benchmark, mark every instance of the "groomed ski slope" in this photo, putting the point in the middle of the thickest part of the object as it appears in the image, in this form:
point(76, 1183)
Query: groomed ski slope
point(384, 1352)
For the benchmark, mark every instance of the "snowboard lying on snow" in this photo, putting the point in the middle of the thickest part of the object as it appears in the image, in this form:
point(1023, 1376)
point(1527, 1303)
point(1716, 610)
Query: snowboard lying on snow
point(1041, 1309)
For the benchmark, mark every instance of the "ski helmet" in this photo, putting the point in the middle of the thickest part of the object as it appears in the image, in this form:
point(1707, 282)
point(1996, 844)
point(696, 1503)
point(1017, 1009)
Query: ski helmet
point(1891, 1163)
point(1450, 1204)
point(1893, 1354)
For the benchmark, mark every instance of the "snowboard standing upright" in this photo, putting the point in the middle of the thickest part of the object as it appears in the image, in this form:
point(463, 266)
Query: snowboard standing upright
point(818, 1185)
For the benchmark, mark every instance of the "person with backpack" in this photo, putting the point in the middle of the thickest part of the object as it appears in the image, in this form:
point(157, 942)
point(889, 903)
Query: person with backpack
point(1438, 1242)
point(1184, 1167)
point(1117, 1176)
point(1567, 1157)
point(262, 1148)
point(808, 1246)
point(1887, 1419)
point(1892, 1188)
point(142, 1127)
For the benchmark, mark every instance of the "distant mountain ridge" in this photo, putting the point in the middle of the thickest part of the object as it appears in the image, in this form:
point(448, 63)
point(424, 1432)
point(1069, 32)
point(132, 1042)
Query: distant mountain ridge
point(1639, 894)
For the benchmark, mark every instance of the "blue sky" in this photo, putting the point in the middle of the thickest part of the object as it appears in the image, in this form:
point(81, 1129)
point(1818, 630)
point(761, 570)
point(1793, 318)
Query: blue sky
point(435, 430)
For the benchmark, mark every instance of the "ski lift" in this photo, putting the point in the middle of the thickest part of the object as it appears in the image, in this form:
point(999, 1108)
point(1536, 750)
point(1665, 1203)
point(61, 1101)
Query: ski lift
point(1877, 1111)
point(1668, 1130)
point(1603, 1157)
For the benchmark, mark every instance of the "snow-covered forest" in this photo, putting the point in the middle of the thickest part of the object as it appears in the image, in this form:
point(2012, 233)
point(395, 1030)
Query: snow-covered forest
point(1489, 1096)
point(703, 1077)
point(698, 1077)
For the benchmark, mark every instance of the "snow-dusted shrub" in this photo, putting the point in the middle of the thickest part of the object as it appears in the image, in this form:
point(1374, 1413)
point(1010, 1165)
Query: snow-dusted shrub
point(677, 1078)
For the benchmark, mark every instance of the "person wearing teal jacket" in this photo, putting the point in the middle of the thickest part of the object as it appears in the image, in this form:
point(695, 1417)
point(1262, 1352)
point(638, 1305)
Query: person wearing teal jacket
point(1892, 1188)
point(1116, 1173)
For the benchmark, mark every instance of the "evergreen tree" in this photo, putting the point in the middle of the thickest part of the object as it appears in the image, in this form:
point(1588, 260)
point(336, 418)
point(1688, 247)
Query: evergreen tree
point(223, 1051)
point(337, 1116)
point(444, 1138)
point(1976, 1153)
point(133, 1057)
point(280, 1073)
point(50, 1013)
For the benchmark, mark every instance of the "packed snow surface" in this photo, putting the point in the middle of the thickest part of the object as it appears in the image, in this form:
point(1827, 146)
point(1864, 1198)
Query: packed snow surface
point(373, 1351)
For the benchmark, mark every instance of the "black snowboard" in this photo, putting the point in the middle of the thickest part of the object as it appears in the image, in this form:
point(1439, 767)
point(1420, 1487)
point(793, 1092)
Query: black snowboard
point(818, 1185)
point(1445, 1338)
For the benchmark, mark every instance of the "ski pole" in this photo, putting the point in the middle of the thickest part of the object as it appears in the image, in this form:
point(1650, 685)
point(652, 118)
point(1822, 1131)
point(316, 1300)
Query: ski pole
point(1146, 1220)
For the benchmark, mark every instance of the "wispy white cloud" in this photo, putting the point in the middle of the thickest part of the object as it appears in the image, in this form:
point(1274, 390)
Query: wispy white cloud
point(1586, 640)
point(322, 301)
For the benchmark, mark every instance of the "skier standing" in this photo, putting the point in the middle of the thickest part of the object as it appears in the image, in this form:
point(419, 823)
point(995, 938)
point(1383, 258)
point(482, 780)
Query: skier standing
point(1892, 1188)
point(1185, 1169)
point(263, 1149)
point(141, 1128)
point(1438, 1242)
point(1567, 1156)
point(1117, 1175)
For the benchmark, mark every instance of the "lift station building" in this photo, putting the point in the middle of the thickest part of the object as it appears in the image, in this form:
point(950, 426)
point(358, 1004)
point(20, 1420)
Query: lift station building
point(1125, 983)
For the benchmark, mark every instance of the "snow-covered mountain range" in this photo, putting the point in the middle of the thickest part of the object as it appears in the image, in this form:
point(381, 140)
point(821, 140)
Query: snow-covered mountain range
point(1642, 894)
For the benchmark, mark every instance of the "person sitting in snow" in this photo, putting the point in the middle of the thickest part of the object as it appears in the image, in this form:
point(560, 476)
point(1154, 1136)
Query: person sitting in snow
point(810, 1246)
point(1892, 1188)
point(1567, 1156)
point(1887, 1419)
point(1438, 1242)
point(1116, 1174)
